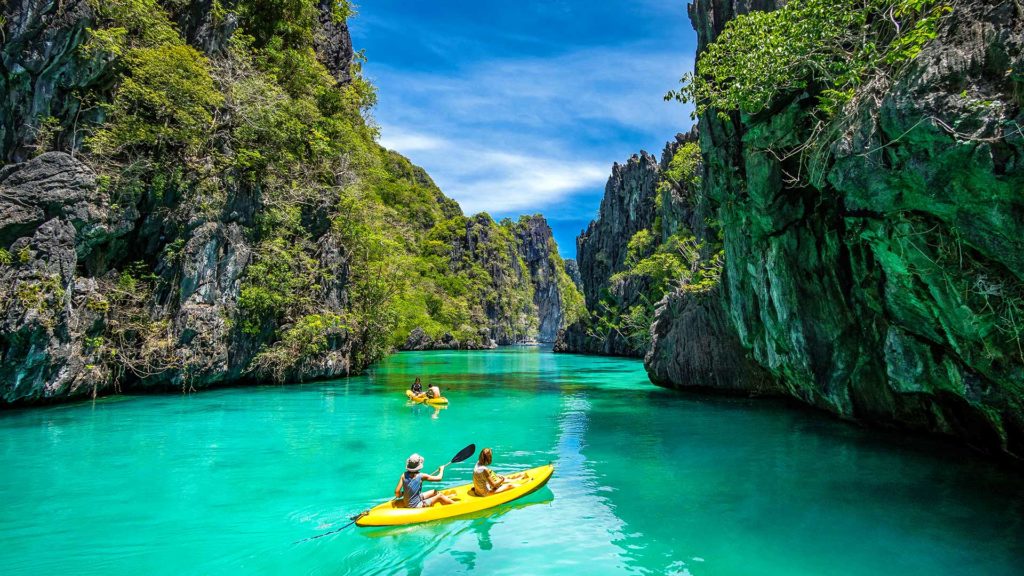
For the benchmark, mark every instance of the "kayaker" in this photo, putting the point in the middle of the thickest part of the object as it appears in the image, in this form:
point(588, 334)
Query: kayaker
point(410, 485)
point(417, 388)
point(486, 482)
point(433, 392)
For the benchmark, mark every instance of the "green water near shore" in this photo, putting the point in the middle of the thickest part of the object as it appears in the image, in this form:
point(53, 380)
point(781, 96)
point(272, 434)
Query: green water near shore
point(646, 481)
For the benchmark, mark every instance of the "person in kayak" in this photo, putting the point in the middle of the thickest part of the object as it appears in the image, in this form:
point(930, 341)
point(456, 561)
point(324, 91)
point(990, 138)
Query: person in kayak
point(486, 482)
point(433, 392)
point(410, 485)
point(417, 387)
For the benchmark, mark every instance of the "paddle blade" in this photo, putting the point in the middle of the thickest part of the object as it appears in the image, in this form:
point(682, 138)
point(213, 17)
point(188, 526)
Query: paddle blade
point(464, 453)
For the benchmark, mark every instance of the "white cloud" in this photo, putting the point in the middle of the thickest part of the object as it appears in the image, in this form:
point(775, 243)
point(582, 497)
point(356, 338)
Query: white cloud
point(410, 141)
point(525, 134)
point(496, 181)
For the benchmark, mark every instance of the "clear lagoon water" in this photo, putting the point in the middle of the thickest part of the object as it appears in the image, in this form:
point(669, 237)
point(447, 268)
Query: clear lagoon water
point(647, 481)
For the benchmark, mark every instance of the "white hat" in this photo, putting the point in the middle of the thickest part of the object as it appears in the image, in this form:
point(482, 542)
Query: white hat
point(414, 463)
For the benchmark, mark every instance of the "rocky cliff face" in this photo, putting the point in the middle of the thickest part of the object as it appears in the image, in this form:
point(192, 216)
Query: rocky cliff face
point(888, 290)
point(102, 293)
point(628, 206)
point(572, 269)
point(72, 325)
point(519, 290)
point(42, 72)
point(650, 233)
point(332, 41)
point(189, 255)
point(536, 248)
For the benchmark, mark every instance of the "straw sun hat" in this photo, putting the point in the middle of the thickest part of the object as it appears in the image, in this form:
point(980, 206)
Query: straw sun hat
point(414, 463)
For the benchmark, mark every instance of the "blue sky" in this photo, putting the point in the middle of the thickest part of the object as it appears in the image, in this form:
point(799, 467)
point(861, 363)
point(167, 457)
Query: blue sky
point(519, 107)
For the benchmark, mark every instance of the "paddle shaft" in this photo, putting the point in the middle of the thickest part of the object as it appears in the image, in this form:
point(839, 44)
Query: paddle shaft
point(354, 518)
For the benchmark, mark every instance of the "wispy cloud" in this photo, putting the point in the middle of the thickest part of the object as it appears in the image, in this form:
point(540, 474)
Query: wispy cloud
point(407, 142)
point(522, 107)
point(492, 180)
point(525, 134)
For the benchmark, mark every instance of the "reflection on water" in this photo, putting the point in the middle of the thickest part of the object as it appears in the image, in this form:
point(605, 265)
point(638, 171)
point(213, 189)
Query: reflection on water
point(420, 409)
point(646, 481)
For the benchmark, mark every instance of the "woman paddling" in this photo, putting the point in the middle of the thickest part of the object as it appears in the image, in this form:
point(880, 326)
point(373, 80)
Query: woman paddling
point(486, 482)
point(411, 483)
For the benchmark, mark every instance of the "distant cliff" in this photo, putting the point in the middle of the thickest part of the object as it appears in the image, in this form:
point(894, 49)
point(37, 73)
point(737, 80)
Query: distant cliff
point(512, 277)
point(649, 238)
point(878, 276)
point(555, 295)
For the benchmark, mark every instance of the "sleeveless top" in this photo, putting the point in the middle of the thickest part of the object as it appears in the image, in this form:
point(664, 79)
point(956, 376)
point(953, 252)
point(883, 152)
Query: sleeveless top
point(483, 479)
point(411, 490)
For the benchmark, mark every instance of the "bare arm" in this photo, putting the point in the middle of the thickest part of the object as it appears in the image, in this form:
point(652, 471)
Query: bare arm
point(398, 489)
point(439, 477)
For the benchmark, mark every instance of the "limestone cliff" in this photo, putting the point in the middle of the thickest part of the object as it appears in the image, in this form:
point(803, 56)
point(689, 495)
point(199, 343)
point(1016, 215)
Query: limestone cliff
point(519, 290)
point(191, 197)
point(648, 237)
point(887, 289)
point(628, 206)
point(547, 273)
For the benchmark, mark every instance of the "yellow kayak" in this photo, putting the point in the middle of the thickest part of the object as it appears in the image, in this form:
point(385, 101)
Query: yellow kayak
point(423, 398)
point(392, 513)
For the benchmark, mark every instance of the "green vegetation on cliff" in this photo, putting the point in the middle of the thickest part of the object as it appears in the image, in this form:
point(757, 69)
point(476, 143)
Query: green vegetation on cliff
point(265, 117)
point(664, 258)
point(244, 220)
point(865, 161)
point(827, 47)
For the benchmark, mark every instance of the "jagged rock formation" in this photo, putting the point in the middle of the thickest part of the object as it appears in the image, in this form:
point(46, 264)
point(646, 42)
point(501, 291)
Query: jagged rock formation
point(41, 71)
point(889, 289)
point(538, 251)
point(694, 348)
point(487, 253)
point(573, 270)
point(332, 41)
point(51, 215)
point(205, 28)
point(628, 206)
point(652, 211)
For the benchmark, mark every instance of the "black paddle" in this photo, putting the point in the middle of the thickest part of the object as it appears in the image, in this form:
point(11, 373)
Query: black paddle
point(462, 455)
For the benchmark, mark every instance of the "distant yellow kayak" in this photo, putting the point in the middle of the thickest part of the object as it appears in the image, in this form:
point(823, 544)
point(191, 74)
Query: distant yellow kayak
point(392, 513)
point(423, 398)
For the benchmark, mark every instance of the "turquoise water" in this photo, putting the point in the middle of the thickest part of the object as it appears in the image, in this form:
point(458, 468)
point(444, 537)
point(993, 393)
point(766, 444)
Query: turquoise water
point(646, 481)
